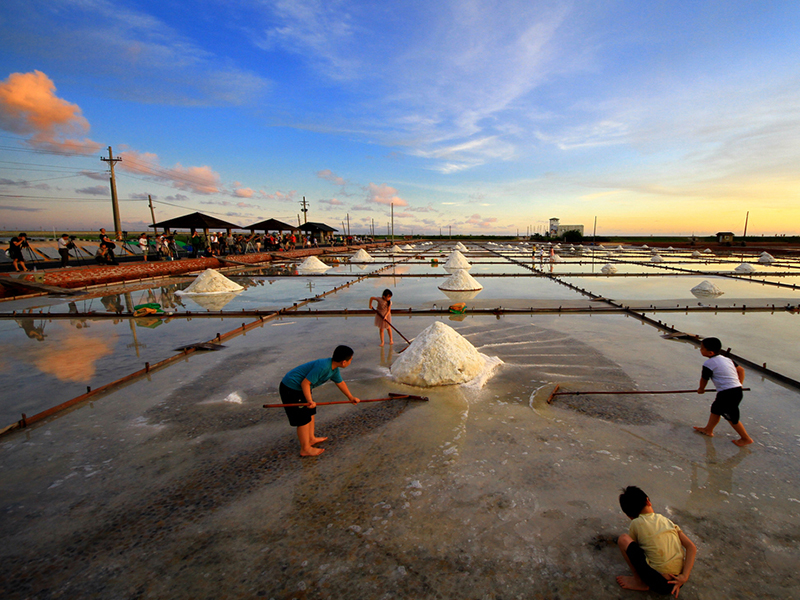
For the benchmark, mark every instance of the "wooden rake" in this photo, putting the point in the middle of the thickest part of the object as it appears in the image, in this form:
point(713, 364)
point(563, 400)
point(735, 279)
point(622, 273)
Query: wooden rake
point(391, 396)
point(555, 392)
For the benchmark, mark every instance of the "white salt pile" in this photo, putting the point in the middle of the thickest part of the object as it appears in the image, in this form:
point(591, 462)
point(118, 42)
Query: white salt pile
point(457, 261)
point(440, 356)
point(460, 281)
point(745, 268)
point(620, 248)
point(407, 247)
point(706, 289)
point(656, 259)
point(461, 247)
point(312, 263)
point(766, 258)
point(211, 282)
point(608, 269)
point(645, 247)
point(707, 251)
point(396, 250)
point(362, 256)
point(696, 254)
point(670, 248)
point(556, 259)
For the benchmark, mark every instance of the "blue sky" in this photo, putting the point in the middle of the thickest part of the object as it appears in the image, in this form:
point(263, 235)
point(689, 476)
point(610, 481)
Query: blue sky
point(484, 117)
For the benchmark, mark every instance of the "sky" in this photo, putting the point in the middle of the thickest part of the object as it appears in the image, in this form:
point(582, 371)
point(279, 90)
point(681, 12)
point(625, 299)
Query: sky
point(466, 117)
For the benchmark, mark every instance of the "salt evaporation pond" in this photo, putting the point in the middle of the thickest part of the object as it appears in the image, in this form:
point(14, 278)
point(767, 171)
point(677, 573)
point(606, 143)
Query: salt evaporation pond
point(479, 492)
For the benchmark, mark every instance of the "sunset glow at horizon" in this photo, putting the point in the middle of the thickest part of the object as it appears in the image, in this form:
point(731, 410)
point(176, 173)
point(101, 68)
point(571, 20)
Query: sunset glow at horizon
point(484, 118)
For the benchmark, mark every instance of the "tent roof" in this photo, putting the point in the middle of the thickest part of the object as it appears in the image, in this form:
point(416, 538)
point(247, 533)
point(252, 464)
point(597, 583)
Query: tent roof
point(271, 225)
point(197, 221)
point(310, 226)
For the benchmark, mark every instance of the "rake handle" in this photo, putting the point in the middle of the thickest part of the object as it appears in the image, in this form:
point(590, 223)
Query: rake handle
point(632, 392)
point(390, 397)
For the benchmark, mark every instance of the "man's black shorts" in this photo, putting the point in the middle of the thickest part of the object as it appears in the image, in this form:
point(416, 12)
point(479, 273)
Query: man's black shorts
point(726, 404)
point(654, 580)
point(298, 415)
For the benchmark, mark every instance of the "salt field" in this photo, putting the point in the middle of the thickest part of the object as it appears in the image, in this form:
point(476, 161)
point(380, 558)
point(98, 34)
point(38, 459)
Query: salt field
point(179, 482)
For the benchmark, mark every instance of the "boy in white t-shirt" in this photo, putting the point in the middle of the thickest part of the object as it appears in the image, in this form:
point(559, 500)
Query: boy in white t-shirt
point(728, 378)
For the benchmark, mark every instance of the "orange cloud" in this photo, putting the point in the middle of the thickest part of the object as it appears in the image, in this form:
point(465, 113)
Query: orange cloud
point(244, 193)
point(29, 106)
point(201, 180)
point(384, 194)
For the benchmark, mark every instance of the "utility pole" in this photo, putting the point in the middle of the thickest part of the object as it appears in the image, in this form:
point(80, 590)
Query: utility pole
point(114, 202)
point(304, 210)
point(348, 224)
point(392, 205)
point(152, 214)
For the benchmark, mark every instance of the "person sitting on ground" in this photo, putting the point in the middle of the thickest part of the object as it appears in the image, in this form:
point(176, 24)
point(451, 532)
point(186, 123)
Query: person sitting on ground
point(105, 242)
point(296, 388)
point(728, 378)
point(658, 553)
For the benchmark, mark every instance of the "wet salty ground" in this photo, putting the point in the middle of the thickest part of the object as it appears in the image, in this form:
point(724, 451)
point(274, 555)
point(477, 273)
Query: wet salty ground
point(182, 486)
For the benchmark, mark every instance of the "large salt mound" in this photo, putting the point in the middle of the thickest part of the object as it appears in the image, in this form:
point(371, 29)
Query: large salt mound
point(656, 259)
point(457, 261)
point(745, 268)
point(696, 254)
point(312, 263)
point(766, 258)
point(362, 256)
point(440, 356)
point(396, 250)
point(706, 289)
point(460, 281)
point(608, 269)
point(211, 282)
point(461, 247)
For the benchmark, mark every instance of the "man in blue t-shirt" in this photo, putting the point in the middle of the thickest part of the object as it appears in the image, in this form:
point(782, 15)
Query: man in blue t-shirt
point(296, 388)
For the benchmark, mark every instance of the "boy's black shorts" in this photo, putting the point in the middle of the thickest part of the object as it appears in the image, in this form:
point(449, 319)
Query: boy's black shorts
point(298, 415)
point(726, 404)
point(654, 580)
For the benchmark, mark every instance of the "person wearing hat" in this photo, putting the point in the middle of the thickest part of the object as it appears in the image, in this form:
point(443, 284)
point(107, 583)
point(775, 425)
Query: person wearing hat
point(64, 244)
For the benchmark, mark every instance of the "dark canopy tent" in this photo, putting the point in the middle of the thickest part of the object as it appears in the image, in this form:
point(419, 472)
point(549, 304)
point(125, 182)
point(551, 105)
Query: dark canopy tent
point(196, 221)
point(270, 225)
point(320, 229)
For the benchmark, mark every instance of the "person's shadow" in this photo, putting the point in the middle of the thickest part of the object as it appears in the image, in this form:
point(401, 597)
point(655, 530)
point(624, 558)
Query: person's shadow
point(719, 481)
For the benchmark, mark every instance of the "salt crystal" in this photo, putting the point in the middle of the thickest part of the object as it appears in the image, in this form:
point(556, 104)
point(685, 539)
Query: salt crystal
point(439, 356)
point(706, 289)
point(312, 263)
point(362, 256)
point(460, 281)
point(211, 282)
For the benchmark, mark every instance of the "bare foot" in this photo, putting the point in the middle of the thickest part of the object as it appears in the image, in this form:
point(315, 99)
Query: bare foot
point(629, 582)
point(381, 345)
point(742, 442)
point(317, 440)
point(391, 342)
point(312, 452)
point(704, 431)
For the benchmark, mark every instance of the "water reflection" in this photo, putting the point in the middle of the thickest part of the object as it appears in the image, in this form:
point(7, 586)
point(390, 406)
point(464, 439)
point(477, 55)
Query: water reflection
point(71, 355)
point(719, 482)
point(33, 328)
